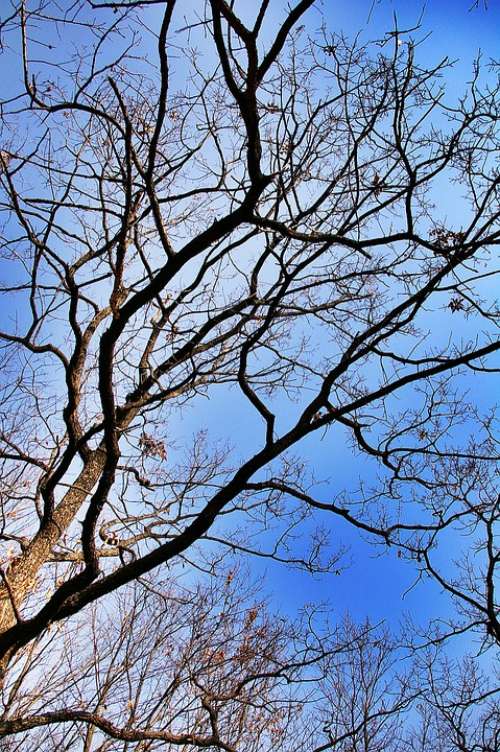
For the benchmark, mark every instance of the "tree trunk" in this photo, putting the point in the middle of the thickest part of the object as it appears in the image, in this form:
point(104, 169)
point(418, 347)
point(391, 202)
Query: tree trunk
point(22, 575)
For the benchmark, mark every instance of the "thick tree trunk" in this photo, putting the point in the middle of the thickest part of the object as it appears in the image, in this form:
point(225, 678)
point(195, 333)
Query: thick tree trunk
point(22, 575)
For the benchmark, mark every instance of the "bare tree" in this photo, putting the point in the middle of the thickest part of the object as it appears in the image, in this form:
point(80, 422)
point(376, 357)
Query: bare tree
point(208, 668)
point(170, 669)
point(215, 668)
point(458, 708)
point(197, 203)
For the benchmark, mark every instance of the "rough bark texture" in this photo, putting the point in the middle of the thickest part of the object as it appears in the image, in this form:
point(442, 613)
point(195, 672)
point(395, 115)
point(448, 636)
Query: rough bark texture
point(23, 573)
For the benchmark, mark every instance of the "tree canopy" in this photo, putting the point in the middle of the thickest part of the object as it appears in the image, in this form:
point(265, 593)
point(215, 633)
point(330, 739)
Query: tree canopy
point(234, 238)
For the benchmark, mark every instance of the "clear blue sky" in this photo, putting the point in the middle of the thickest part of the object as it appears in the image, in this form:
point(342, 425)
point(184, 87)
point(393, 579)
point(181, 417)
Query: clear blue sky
point(371, 586)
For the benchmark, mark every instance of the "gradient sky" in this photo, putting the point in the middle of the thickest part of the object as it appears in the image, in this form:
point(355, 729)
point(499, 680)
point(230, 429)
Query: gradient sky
point(372, 585)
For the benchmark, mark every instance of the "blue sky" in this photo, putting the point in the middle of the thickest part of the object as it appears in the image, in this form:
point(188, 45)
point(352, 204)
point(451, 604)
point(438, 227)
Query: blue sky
point(456, 29)
point(372, 585)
